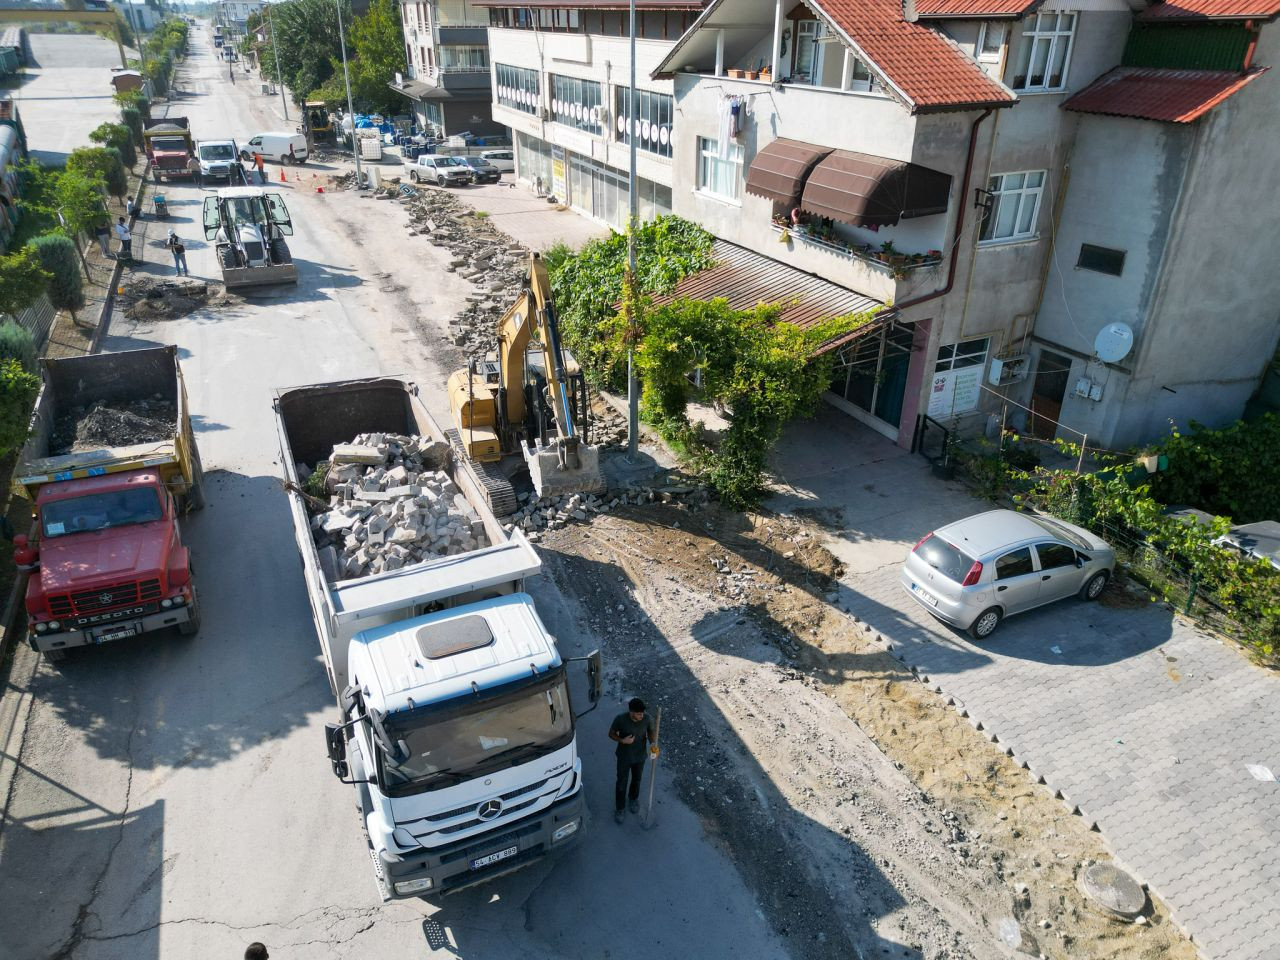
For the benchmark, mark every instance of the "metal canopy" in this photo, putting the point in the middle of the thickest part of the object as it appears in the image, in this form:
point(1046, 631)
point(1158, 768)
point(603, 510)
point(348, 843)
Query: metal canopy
point(779, 171)
point(865, 191)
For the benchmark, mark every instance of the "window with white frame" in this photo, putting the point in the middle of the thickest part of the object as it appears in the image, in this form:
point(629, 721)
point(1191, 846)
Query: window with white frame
point(719, 171)
point(957, 378)
point(1045, 54)
point(991, 41)
point(1015, 203)
point(460, 58)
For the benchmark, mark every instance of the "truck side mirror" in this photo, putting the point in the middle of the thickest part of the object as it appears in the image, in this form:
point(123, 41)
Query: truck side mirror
point(595, 675)
point(337, 744)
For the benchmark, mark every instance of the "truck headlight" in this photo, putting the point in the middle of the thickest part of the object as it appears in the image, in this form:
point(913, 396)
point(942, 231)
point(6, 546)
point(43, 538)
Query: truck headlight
point(41, 627)
point(180, 599)
point(567, 830)
point(166, 603)
point(55, 626)
point(413, 886)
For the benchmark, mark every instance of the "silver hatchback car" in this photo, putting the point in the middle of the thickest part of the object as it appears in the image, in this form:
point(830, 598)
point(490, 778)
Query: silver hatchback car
point(975, 572)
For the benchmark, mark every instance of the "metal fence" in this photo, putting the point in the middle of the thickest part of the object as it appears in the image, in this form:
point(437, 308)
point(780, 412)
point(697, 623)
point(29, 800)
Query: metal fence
point(37, 320)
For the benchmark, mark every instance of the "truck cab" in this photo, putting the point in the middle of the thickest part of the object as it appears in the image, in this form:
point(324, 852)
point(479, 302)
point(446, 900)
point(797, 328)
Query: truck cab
point(106, 561)
point(168, 145)
point(459, 731)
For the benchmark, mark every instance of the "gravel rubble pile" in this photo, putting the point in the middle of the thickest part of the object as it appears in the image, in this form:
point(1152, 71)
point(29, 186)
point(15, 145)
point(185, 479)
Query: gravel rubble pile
point(537, 515)
point(102, 424)
point(391, 505)
point(158, 298)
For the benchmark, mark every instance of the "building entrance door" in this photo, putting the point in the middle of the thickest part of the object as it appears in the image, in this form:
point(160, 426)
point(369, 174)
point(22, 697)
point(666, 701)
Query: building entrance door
point(871, 378)
point(1047, 392)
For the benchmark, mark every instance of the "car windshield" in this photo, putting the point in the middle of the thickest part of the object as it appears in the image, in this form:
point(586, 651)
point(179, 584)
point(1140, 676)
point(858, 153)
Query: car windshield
point(218, 151)
point(450, 162)
point(168, 143)
point(949, 561)
point(1063, 532)
point(98, 511)
point(245, 210)
point(486, 737)
point(479, 162)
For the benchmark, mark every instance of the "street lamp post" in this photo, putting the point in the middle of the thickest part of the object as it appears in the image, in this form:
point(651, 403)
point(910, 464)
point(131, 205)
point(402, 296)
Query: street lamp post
point(275, 55)
point(633, 390)
point(351, 110)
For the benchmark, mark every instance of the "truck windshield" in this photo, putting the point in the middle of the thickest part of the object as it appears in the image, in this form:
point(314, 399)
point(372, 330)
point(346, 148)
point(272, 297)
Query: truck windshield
point(98, 511)
point(245, 210)
point(489, 736)
point(218, 151)
point(169, 143)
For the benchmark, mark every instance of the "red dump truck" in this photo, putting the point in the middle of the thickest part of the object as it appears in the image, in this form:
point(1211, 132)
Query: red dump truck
point(169, 147)
point(110, 464)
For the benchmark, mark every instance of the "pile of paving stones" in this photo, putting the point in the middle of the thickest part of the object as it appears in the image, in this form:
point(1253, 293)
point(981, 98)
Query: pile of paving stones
point(150, 420)
point(538, 515)
point(493, 262)
point(391, 505)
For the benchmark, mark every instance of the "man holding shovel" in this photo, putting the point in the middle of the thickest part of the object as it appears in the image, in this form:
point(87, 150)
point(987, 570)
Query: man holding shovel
point(630, 731)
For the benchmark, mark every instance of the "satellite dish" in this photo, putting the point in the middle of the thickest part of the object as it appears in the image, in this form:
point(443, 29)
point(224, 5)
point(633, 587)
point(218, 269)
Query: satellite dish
point(1113, 342)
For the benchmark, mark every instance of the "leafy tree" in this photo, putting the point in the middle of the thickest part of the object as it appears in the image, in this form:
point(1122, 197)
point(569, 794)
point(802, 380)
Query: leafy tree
point(18, 390)
point(23, 280)
point(16, 343)
point(132, 118)
point(58, 256)
point(378, 39)
point(102, 163)
point(119, 136)
point(80, 207)
point(133, 98)
point(307, 43)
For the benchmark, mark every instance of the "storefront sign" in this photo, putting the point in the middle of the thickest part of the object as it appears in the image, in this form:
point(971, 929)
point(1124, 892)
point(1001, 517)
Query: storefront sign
point(955, 392)
point(557, 173)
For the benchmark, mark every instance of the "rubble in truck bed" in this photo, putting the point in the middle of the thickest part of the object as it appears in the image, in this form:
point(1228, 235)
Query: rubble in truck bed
point(391, 505)
point(150, 420)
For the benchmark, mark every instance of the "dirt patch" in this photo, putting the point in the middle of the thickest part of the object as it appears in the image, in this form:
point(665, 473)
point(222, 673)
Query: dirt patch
point(155, 298)
point(904, 833)
point(1124, 593)
point(114, 425)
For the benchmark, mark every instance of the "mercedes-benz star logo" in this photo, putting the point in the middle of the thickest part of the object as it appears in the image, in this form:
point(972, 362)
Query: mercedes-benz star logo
point(489, 809)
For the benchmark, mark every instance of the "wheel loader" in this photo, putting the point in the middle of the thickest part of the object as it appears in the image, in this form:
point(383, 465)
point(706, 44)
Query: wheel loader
point(525, 403)
point(248, 227)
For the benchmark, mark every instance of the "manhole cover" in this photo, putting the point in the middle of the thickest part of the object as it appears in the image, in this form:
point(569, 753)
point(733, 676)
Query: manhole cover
point(1110, 888)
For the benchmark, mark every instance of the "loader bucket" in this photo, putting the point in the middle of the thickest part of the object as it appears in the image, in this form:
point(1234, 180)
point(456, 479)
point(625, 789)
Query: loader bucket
point(565, 467)
point(233, 277)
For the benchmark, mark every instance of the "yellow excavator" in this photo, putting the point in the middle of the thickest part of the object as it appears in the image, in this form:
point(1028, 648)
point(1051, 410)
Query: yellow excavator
point(507, 406)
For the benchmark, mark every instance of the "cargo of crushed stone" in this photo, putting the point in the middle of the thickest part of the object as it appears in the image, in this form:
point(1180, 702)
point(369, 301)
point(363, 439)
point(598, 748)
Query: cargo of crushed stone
point(150, 420)
point(390, 505)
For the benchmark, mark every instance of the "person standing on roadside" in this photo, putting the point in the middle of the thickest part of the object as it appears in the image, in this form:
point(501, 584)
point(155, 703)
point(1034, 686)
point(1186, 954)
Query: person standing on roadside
point(257, 162)
point(630, 731)
point(179, 251)
point(125, 237)
point(102, 233)
point(193, 168)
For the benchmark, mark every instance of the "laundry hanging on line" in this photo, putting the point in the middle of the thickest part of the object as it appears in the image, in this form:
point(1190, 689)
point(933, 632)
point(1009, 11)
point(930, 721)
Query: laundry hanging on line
point(730, 122)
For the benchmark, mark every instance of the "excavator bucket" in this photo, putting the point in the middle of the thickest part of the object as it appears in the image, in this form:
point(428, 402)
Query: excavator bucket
point(233, 277)
point(566, 466)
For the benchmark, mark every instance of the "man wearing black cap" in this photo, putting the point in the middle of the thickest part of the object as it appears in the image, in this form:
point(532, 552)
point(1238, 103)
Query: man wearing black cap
point(630, 731)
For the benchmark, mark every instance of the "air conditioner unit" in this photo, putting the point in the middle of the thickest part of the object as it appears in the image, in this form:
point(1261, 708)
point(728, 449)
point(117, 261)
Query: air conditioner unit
point(604, 116)
point(1006, 370)
point(543, 113)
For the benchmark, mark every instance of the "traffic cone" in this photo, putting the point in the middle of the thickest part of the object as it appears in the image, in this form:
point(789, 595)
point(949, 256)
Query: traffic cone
point(283, 178)
point(319, 189)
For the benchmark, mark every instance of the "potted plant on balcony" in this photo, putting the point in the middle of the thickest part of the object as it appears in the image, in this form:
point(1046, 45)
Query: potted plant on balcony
point(751, 75)
point(766, 73)
point(736, 74)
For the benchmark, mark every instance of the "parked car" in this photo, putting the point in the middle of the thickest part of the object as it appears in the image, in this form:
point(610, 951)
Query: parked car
point(1259, 540)
point(977, 571)
point(444, 171)
point(274, 147)
point(504, 160)
point(482, 170)
point(218, 160)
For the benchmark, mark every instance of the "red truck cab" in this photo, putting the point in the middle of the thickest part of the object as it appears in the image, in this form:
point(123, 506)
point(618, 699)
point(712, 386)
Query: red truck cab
point(107, 562)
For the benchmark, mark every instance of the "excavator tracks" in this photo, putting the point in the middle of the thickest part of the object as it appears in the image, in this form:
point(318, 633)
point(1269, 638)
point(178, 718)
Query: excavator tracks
point(497, 489)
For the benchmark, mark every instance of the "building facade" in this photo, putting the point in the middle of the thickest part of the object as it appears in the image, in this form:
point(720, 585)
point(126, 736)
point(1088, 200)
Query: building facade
point(447, 67)
point(957, 161)
point(234, 15)
point(561, 78)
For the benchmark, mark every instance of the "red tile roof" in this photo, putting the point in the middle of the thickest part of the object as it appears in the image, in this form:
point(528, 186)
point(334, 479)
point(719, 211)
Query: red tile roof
point(960, 9)
point(1212, 10)
point(1148, 93)
point(928, 69)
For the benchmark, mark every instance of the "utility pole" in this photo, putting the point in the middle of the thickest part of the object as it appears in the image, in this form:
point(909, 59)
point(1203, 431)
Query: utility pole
point(275, 55)
point(351, 111)
point(633, 389)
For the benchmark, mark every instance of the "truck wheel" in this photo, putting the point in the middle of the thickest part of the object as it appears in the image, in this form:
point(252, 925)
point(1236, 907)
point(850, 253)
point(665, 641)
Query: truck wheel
point(440, 180)
point(413, 176)
point(195, 495)
point(228, 257)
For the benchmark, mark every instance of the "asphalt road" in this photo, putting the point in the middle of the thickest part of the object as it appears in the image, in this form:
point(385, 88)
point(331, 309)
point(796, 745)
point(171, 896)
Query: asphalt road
point(66, 92)
point(172, 796)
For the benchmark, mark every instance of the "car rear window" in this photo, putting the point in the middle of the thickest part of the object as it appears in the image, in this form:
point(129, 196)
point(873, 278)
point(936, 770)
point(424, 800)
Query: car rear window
point(949, 561)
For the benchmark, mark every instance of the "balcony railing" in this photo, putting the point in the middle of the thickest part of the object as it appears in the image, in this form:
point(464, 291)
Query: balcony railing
point(895, 263)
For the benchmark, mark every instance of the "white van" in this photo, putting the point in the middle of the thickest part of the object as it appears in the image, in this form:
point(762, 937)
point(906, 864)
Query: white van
point(218, 160)
point(274, 147)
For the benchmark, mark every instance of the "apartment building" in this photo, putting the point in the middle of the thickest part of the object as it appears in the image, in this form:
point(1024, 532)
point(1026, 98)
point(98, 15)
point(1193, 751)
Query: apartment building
point(561, 80)
point(1045, 199)
point(233, 15)
point(447, 77)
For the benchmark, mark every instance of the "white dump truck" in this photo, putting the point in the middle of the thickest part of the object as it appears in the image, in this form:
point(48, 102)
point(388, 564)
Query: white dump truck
point(457, 727)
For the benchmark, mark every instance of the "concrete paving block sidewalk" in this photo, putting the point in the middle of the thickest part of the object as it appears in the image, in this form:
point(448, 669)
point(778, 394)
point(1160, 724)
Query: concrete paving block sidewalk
point(1145, 723)
point(529, 219)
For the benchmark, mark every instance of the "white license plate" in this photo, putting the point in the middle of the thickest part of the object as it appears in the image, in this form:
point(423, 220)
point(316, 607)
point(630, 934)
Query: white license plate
point(924, 595)
point(115, 633)
point(494, 857)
